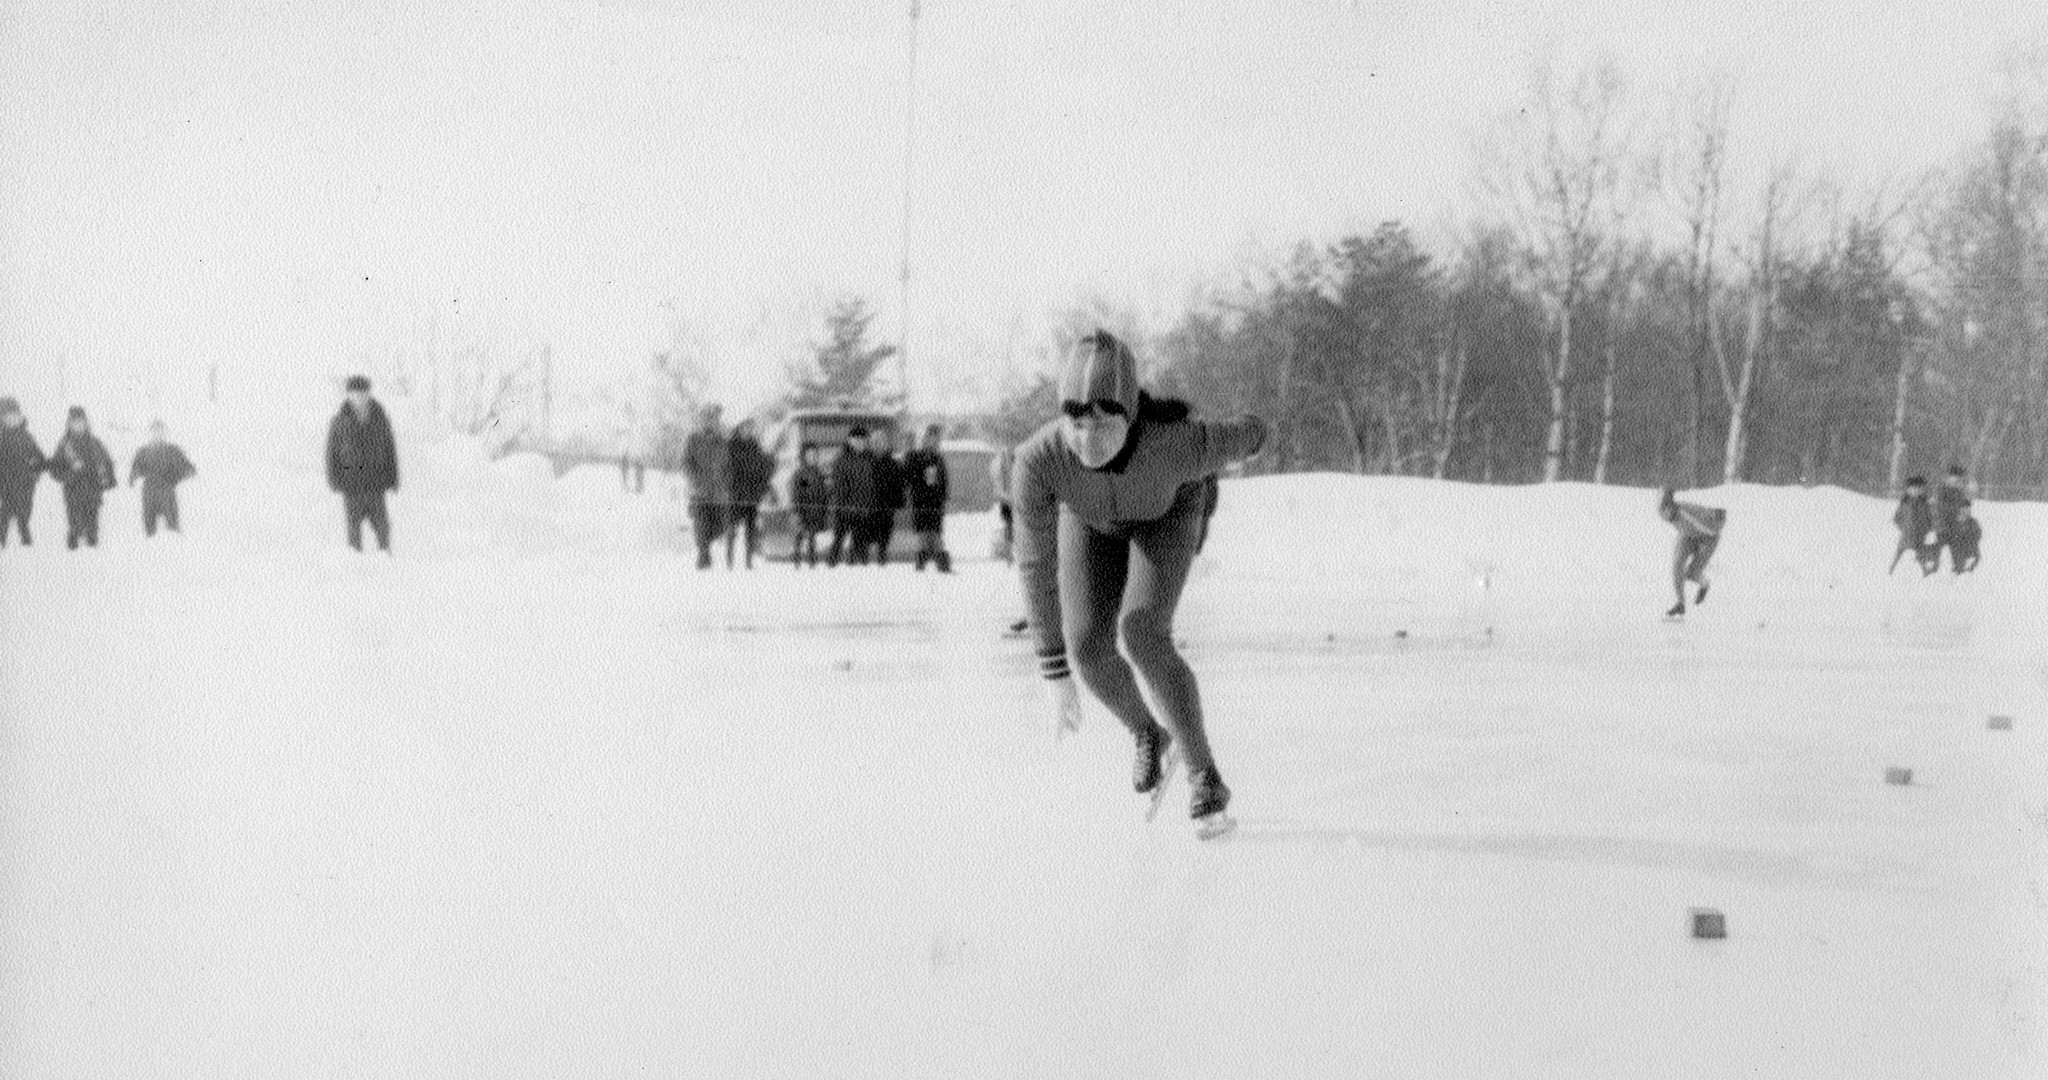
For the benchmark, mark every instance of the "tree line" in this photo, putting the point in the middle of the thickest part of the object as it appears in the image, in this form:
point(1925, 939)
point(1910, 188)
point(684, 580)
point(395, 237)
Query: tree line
point(1614, 313)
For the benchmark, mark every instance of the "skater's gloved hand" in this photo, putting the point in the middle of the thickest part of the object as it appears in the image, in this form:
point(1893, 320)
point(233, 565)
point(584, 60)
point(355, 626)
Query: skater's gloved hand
point(1066, 701)
point(1066, 697)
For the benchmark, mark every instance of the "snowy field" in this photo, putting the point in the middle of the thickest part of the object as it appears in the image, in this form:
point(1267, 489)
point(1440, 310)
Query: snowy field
point(536, 799)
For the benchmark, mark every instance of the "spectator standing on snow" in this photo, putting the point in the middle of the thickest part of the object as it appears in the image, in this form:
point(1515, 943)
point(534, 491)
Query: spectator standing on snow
point(21, 465)
point(810, 500)
point(1948, 503)
point(1915, 521)
point(707, 465)
point(161, 466)
point(85, 471)
point(1109, 505)
point(362, 463)
point(853, 499)
point(889, 491)
point(749, 469)
point(1964, 536)
point(1699, 532)
point(926, 488)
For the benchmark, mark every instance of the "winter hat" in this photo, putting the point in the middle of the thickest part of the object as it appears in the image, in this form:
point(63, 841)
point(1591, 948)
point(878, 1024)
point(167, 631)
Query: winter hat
point(857, 431)
point(1916, 481)
point(9, 405)
point(1101, 369)
point(359, 382)
point(77, 413)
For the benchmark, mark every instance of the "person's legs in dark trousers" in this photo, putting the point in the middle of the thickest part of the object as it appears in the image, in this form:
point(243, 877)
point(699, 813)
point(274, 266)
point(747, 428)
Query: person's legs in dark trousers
point(704, 530)
point(1127, 587)
point(380, 520)
point(744, 519)
point(14, 511)
point(882, 531)
point(74, 522)
point(354, 508)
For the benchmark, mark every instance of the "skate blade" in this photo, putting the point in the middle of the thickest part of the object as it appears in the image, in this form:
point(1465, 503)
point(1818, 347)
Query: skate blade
point(1215, 826)
point(1169, 764)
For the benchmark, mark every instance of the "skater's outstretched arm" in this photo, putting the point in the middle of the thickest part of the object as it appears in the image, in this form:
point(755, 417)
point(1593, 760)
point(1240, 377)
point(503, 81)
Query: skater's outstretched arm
point(1037, 512)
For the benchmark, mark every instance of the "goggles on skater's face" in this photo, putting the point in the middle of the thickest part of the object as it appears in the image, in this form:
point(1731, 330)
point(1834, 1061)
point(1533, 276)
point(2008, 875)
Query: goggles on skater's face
point(1078, 410)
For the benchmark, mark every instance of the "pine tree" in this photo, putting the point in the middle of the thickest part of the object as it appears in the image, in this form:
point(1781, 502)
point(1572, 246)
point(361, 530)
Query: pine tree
point(844, 365)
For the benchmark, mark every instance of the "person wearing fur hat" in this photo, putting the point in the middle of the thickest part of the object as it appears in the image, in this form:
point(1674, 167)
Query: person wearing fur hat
point(362, 463)
point(21, 465)
point(1915, 521)
point(1699, 532)
point(161, 466)
point(1108, 500)
point(85, 471)
point(853, 500)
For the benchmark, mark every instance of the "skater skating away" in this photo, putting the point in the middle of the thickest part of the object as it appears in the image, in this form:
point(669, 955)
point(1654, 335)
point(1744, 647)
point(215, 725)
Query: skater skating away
point(1108, 500)
point(1963, 538)
point(1915, 521)
point(1699, 531)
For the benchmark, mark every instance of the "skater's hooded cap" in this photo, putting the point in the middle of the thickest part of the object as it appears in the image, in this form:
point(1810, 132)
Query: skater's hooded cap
point(1101, 368)
point(9, 405)
point(77, 413)
point(358, 382)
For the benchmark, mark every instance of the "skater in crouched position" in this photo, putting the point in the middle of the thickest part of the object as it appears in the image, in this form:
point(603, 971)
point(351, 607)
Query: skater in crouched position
point(1699, 531)
point(1108, 501)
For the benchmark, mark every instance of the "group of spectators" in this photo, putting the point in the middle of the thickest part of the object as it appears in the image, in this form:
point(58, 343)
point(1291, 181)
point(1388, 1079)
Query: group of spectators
point(856, 499)
point(1927, 527)
point(83, 469)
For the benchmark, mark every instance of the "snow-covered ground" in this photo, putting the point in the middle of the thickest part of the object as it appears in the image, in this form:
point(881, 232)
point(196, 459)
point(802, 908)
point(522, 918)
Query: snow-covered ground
point(536, 799)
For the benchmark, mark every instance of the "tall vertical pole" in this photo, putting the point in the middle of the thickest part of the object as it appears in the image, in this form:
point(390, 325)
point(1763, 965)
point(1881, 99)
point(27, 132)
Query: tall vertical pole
point(909, 159)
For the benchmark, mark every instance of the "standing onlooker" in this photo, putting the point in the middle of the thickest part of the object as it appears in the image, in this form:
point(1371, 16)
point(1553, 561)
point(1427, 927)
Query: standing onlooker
point(1915, 521)
point(86, 472)
point(708, 468)
point(161, 466)
point(1964, 537)
point(1948, 503)
point(853, 499)
point(362, 463)
point(1699, 532)
point(925, 488)
point(749, 469)
point(21, 465)
point(810, 503)
point(888, 495)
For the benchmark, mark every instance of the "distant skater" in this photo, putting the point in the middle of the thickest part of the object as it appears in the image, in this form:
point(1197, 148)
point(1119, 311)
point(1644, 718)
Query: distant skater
point(1950, 500)
point(1964, 537)
point(1699, 532)
point(1108, 499)
point(21, 465)
point(362, 463)
point(161, 466)
point(85, 471)
point(889, 492)
point(1915, 521)
point(853, 500)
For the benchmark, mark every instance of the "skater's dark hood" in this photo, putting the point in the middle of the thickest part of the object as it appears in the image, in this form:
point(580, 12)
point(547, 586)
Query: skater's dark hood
point(1101, 368)
point(77, 416)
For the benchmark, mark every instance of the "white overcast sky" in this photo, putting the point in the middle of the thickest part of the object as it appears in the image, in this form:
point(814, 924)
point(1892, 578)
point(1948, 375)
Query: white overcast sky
point(251, 183)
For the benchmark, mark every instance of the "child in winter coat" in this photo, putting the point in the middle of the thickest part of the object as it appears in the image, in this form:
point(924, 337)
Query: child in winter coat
point(926, 487)
point(1915, 521)
point(810, 503)
point(86, 473)
point(1963, 538)
point(161, 466)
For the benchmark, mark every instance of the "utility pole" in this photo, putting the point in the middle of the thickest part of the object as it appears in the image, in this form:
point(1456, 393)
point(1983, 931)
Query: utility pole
point(909, 159)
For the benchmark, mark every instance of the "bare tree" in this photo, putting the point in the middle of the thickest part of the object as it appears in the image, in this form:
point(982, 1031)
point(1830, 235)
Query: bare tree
point(1563, 177)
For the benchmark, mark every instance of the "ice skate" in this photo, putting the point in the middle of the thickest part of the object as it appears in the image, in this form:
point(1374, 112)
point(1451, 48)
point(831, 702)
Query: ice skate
point(1148, 767)
point(1208, 803)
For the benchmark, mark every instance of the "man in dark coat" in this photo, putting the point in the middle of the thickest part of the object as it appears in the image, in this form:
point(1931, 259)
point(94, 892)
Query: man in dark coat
point(889, 491)
point(362, 463)
point(1948, 503)
point(1915, 522)
point(708, 467)
point(853, 499)
point(21, 465)
point(161, 466)
point(85, 471)
point(810, 499)
point(925, 488)
point(749, 470)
